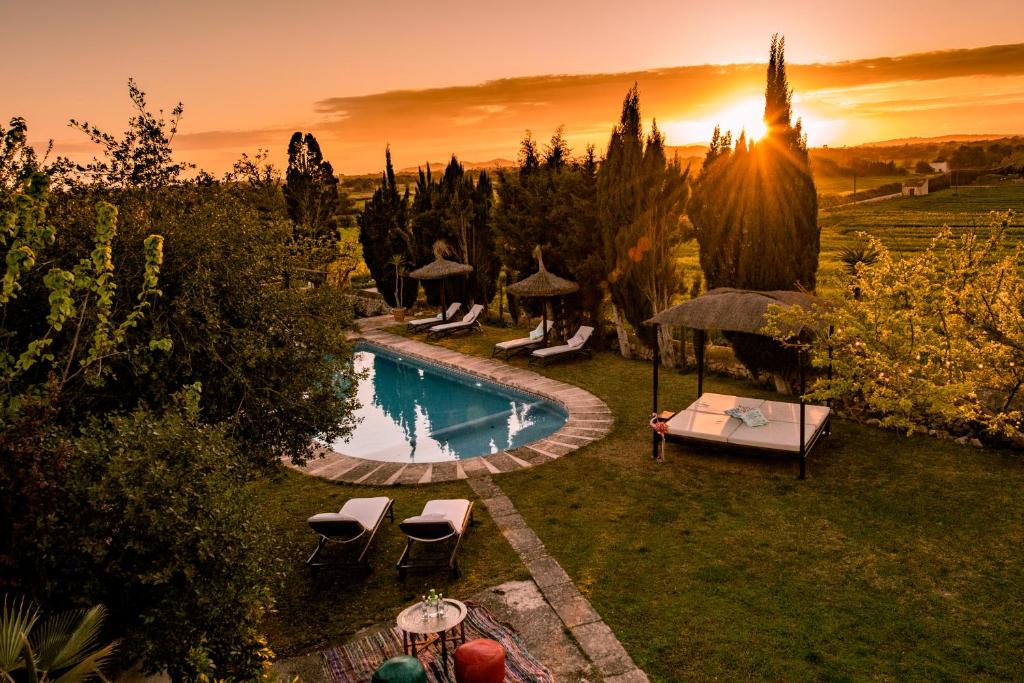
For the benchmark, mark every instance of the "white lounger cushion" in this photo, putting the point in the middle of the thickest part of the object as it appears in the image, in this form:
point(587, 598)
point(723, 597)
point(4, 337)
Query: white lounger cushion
point(452, 310)
point(704, 426)
point(524, 341)
point(356, 516)
point(553, 350)
point(574, 344)
point(719, 403)
point(455, 510)
point(367, 511)
point(467, 320)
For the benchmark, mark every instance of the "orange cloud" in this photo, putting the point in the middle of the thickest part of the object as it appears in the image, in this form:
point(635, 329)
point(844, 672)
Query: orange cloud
point(976, 90)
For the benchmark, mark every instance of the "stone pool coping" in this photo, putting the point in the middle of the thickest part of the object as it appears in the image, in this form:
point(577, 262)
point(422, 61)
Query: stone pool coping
point(589, 420)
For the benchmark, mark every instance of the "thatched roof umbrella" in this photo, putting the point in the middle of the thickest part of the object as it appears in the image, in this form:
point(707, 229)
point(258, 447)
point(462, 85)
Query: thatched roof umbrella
point(542, 284)
point(438, 269)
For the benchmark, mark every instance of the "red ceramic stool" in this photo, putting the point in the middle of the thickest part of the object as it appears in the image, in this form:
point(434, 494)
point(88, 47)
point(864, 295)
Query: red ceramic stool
point(480, 661)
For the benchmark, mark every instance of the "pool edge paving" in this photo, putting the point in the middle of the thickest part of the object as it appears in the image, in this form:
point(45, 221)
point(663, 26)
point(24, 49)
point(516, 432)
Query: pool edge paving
point(589, 419)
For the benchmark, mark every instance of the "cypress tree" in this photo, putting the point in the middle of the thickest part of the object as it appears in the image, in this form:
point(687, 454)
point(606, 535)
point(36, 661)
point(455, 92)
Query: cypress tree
point(641, 199)
point(755, 211)
point(384, 231)
point(311, 189)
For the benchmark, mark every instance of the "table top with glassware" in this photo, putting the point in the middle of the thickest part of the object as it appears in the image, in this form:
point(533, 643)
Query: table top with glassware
point(424, 618)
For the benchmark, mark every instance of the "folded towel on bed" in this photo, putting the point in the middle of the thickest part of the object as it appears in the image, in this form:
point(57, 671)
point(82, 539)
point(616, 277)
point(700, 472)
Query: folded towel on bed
point(752, 417)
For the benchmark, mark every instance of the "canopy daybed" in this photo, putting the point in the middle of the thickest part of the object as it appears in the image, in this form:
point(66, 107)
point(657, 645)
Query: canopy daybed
point(792, 429)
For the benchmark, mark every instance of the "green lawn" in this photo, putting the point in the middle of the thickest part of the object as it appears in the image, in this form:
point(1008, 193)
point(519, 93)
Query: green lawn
point(898, 559)
point(316, 609)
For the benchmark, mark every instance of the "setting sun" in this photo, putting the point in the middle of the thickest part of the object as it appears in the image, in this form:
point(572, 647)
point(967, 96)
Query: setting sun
point(745, 115)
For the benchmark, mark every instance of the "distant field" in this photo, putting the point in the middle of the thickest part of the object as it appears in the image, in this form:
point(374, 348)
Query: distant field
point(906, 224)
point(844, 186)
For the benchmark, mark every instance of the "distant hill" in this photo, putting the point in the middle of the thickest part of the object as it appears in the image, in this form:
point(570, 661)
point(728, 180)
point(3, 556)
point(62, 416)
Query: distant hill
point(966, 137)
point(438, 166)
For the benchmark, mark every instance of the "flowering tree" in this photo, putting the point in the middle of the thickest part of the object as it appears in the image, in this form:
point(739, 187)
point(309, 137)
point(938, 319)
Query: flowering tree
point(936, 336)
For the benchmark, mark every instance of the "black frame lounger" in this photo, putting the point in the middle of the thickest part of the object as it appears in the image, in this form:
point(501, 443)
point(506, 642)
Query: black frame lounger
point(358, 518)
point(576, 346)
point(441, 522)
point(441, 318)
point(469, 321)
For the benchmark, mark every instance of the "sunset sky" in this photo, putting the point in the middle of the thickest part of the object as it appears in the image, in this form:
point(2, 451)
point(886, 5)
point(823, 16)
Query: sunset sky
point(434, 79)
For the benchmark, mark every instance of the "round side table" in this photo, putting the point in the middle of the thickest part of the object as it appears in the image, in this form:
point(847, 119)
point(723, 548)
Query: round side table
point(450, 626)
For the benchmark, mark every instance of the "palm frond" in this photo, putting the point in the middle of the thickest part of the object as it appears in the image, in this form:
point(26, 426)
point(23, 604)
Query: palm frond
point(77, 639)
point(16, 620)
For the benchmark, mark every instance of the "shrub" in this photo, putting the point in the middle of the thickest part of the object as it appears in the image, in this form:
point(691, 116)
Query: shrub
point(936, 336)
point(154, 522)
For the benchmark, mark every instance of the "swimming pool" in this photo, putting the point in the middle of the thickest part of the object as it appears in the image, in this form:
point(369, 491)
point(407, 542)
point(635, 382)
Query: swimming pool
point(415, 411)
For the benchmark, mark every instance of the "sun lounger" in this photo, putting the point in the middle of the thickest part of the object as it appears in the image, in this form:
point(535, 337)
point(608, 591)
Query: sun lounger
point(575, 346)
point(468, 322)
point(416, 325)
point(441, 522)
point(358, 519)
point(514, 346)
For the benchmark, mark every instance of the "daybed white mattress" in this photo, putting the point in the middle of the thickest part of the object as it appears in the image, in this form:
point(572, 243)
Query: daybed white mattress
point(704, 419)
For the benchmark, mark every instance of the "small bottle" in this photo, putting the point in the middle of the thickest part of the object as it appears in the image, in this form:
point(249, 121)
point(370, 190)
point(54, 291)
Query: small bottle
point(433, 602)
point(424, 608)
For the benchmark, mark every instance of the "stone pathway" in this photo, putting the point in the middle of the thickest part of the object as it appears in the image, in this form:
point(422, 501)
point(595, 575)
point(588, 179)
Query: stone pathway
point(594, 637)
point(589, 419)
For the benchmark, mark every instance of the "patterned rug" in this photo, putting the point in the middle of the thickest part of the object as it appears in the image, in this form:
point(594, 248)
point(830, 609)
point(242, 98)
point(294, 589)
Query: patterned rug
point(356, 661)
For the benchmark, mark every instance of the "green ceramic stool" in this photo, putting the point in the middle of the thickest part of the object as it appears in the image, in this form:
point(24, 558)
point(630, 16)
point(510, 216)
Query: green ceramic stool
point(403, 669)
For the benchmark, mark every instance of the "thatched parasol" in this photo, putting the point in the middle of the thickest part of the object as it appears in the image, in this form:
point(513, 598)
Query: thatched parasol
point(438, 269)
point(542, 284)
point(441, 268)
point(730, 310)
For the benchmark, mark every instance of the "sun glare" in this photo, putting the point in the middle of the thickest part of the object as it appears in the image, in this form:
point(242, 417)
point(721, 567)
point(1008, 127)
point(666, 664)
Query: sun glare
point(744, 115)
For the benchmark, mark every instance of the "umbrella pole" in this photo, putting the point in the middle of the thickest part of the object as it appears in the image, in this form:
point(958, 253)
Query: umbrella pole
point(444, 310)
point(544, 319)
point(654, 401)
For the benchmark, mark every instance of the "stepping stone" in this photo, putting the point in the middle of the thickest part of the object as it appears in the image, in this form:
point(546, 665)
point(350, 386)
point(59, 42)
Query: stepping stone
point(547, 572)
point(603, 648)
point(571, 606)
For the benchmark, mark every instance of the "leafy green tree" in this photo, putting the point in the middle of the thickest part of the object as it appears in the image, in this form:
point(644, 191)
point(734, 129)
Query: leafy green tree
point(154, 522)
point(18, 161)
point(384, 231)
point(932, 337)
point(276, 355)
point(140, 158)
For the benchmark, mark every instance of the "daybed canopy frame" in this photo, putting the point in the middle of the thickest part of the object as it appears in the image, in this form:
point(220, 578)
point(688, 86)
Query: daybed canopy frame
point(739, 325)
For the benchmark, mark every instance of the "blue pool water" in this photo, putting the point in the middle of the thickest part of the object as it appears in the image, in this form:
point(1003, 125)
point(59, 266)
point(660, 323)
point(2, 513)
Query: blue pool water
point(412, 411)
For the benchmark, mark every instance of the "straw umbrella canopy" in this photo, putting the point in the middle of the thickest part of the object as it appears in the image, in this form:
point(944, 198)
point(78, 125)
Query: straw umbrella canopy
point(438, 269)
point(544, 285)
point(731, 310)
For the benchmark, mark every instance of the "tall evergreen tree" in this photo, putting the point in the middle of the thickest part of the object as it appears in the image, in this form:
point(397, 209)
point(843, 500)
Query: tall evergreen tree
point(755, 211)
point(550, 202)
point(384, 231)
point(311, 189)
point(641, 199)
